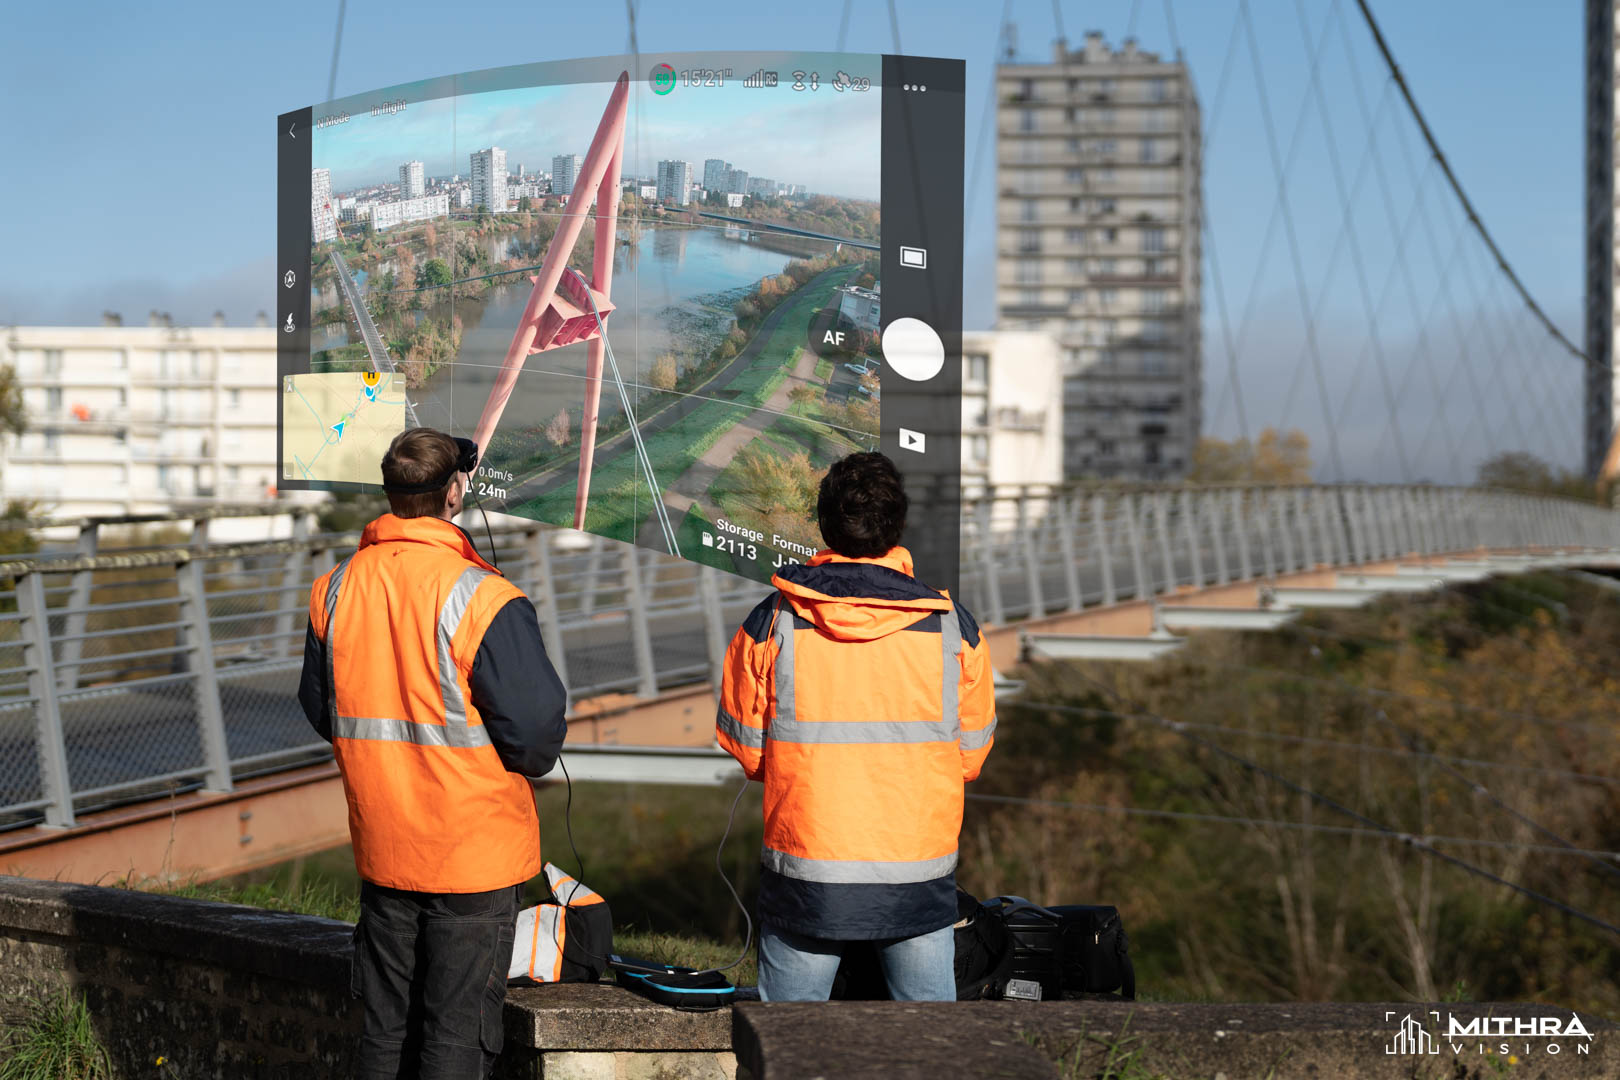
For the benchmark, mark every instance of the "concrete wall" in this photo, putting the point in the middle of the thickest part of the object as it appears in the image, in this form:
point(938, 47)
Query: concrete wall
point(245, 994)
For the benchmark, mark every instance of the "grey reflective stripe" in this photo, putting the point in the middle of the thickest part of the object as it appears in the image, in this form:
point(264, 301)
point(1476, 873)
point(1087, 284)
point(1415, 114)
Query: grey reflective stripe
point(739, 732)
point(864, 731)
point(381, 729)
point(455, 606)
point(333, 583)
point(950, 637)
point(856, 872)
point(978, 740)
point(784, 667)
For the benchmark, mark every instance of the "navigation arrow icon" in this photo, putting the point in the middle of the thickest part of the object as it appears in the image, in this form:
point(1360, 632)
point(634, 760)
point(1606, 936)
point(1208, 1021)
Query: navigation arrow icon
point(290, 130)
point(338, 427)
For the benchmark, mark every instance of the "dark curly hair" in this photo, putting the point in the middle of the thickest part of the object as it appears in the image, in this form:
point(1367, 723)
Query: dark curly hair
point(862, 506)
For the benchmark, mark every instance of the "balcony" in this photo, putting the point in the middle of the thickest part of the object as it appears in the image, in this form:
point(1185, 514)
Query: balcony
point(1011, 418)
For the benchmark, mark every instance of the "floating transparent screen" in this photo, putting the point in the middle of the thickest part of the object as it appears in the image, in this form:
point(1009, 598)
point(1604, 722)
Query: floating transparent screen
point(651, 288)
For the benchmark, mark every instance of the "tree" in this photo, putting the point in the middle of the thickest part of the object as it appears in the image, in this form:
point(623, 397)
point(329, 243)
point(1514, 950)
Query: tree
point(557, 430)
point(525, 204)
point(1519, 470)
point(431, 235)
point(1272, 459)
point(802, 395)
point(435, 273)
point(663, 372)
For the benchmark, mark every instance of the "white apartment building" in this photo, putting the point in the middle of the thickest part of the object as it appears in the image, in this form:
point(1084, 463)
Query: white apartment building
point(385, 215)
point(1012, 416)
point(323, 223)
point(675, 182)
point(763, 187)
point(716, 174)
point(1099, 212)
point(861, 308)
point(737, 182)
point(489, 179)
point(564, 171)
point(412, 185)
point(141, 419)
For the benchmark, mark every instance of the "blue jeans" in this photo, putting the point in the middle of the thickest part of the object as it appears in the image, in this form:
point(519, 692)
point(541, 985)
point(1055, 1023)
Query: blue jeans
point(793, 967)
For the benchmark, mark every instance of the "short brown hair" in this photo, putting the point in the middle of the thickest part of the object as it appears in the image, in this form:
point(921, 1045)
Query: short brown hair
point(861, 506)
point(419, 456)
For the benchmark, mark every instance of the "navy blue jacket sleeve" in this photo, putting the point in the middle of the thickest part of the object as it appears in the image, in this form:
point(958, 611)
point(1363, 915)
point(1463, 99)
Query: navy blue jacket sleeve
point(518, 693)
point(312, 693)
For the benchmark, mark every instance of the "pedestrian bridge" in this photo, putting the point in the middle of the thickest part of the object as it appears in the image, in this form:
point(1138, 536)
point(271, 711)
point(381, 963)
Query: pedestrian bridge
point(149, 726)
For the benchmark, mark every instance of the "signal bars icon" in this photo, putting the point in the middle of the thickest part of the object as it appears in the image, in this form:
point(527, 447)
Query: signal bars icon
point(759, 79)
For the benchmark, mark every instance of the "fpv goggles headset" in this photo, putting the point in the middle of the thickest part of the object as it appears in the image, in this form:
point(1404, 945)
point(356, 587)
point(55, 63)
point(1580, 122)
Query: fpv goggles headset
point(466, 462)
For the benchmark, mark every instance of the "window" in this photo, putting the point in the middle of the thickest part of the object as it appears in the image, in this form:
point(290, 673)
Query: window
point(53, 361)
point(1074, 267)
point(163, 478)
point(1077, 237)
point(1106, 268)
point(53, 399)
point(1106, 147)
point(1026, 120)
point(1105, 86)
point(1077, 177)
point(1107, 118)
point(1155, 362)
point(1074, 146)
point(1030, 298)
point(123, 397)
point(1074, 206)
point(1106, 206)
point(1074, 85)
point(1110, 235)
point(53, 441)
point(1029, 240)
point(1155, 301)
point(1106, 448)
point(1071, 115)
point(196, 364)
point(1077, 297)
point(1152, 267)
point(1150, 455)
point(1108, 328)
point(233, 398)
point(1148, 151)
point(1028, 209)
point(1153, 240)
point(1158, 90)
point(1026, 89)
point(163, 401)
point(978, 369)
point(233, 473)
point(1029, 271)
point(120, 436)
point(979, 446)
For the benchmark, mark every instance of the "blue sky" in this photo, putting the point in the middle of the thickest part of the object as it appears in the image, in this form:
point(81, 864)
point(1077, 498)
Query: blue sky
point(139, 170)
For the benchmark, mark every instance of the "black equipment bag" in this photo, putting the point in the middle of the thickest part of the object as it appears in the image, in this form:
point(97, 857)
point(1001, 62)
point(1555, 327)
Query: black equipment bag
point(1036, 937)
point(681, 988)
point(1095, 951)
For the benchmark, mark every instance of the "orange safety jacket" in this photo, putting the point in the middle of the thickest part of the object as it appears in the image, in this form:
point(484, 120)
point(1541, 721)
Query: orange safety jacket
point(432, 807)
point(863, 699)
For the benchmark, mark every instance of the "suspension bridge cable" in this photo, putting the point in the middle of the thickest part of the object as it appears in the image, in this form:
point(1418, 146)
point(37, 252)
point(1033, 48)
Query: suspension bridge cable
point(1130, 22)
point(1513, 343)
point(1279, 823)
point(1445, 291)
point(1347, 197)
point(843, 24)
point(1333, 804)
point(988, 116)
point(1456, 187)
point(894, 27)
point(1311, 345)
point(337, 48)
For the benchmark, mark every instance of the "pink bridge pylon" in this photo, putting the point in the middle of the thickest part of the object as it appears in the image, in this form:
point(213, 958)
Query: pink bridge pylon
point(559, 313)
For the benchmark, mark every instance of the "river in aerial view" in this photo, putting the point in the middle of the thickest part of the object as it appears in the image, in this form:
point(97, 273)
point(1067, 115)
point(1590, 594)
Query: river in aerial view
point(673, 291)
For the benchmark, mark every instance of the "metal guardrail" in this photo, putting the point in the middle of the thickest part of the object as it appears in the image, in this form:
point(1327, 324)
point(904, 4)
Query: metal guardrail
point(130, 674)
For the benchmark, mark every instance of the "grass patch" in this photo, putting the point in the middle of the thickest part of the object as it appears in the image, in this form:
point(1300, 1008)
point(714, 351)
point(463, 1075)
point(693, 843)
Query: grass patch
point(688, 951)
point(54, 1040)
point(824, 370)
point(324, 898)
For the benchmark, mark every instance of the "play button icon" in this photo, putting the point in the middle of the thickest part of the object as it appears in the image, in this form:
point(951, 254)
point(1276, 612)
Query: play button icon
point(913, 440)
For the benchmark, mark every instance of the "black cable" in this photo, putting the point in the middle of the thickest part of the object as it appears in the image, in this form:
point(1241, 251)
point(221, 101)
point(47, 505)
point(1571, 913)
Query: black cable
point(494, 560)
point(1451, 178)
point(1417, 842)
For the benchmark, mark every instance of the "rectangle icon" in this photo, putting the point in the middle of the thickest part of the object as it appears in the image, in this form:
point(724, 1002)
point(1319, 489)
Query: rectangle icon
point(914, 258)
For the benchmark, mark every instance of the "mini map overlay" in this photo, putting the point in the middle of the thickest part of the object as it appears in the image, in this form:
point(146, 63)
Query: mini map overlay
point(339, 424)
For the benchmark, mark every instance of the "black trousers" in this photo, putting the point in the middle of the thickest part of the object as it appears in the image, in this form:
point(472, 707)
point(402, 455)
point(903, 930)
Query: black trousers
point(431, 971)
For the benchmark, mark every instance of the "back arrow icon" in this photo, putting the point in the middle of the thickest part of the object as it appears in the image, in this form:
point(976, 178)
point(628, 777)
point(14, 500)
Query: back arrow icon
point(291, 132)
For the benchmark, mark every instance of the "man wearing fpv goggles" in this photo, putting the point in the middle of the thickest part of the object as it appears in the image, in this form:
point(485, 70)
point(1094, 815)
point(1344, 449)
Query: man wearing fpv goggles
point(424, 667)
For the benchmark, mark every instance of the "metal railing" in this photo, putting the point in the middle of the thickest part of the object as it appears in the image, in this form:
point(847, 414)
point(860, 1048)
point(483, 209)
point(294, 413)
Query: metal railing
point(136, 672)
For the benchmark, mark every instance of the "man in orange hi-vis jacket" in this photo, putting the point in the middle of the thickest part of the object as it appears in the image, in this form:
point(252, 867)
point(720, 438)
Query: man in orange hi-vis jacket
point(863, 700)
point(424, 667)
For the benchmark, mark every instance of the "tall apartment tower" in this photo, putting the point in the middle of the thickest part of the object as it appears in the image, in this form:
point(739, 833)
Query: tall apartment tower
point(489, 179)
point(1098, 222)
point(675, 182)
point(716, 175)
point(564, 169)
point(1602, 301)
point(321, 222)
point(411, 183)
